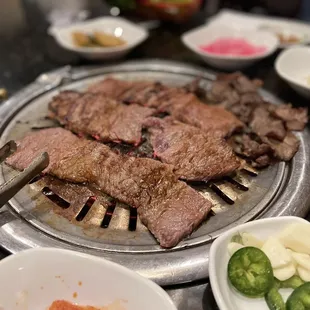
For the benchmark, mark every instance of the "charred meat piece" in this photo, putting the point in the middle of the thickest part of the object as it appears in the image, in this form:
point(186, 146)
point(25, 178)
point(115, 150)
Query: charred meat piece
point(99, 116)
point(139, 92)
point(294, 118)
point(265, 125)
point(183, 106)
point(195, 156)
point(253, 148)
point(60, 105)
point(169, 208)
point(262, 161)
point(210, 119)
point(111, 87)
point(286, 149)
point(243, 85)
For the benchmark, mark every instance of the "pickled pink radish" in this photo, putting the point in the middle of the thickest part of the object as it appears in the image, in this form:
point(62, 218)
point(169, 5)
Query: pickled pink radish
point(233, 47)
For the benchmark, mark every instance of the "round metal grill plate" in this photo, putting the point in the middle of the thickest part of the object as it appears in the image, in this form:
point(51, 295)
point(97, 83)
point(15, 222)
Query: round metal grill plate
point(37, 214)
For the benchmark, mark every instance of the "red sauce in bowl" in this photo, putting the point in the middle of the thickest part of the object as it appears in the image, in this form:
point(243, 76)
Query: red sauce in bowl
point(233, 47)
point(65, 305)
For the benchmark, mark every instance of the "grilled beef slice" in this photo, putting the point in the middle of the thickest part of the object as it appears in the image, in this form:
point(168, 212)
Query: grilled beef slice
point(195, 155)
point(183, 106)
point(210, 119)
point(169, 208)
point(294, 118)
point(99, 116)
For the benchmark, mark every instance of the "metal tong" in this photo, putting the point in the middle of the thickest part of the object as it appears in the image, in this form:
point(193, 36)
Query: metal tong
point(13, 186)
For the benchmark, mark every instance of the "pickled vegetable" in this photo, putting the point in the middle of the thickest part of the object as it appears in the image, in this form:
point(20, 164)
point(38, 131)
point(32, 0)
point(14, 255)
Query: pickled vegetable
point(250, 240)
point(303, 273)
point(274, 299)
point(295, 237)
point(233, 247)
point(285, 272)
point(107, 40)
point(277, 253)
point(250, 272)
point(237, 239)
point(293, 282)
point(80, 39)
point(300, 298)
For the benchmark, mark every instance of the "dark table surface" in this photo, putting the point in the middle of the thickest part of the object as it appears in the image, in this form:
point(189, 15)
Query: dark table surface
point(27, 51)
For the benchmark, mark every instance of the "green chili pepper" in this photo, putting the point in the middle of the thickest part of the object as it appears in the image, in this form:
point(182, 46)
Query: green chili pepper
point(274, 299)
point(300, 298)
point(250, 272)
point(292, 282)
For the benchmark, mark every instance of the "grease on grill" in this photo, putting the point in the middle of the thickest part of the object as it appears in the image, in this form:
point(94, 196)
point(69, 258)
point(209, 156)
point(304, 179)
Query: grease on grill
point(81, 215)
point(47, 192)
point(133, 219)
point(108, 215)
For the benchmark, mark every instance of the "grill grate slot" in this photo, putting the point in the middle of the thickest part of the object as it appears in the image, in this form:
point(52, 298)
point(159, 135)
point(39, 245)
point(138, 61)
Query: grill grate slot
point(108, 215)
point(236, 184)
point(47, 192)
point(36, 179)
point(133, 219)
point(81, 215)
point(250, 171)
point(221, 194)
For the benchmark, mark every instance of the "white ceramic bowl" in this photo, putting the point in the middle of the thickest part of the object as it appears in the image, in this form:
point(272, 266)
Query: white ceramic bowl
point(33, 279)
point(130, 32)
point(207, 34)
point(226, 297)
point(293, 66)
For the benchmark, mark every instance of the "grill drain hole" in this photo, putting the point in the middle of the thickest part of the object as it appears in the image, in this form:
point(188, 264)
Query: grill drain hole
point(47, 192)
point(133, 219)
point(108, 215)
point(90, 201)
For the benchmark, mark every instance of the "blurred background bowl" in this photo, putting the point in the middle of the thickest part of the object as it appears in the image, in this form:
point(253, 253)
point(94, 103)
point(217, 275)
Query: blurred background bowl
point(292, 65)
point(204, 35)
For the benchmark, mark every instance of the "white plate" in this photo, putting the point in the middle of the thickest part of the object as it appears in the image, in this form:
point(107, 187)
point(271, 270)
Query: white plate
point(226, 297)
point(273, 24)
point(130, 32)
point(206, 34)
point(33, 279)
point(293, 66)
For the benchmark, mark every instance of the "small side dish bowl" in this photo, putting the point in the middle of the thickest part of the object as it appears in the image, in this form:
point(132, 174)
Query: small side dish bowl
point(225, 295)
point(37, 277)
point(205, 35)
point(291, 66)
point(131, 33)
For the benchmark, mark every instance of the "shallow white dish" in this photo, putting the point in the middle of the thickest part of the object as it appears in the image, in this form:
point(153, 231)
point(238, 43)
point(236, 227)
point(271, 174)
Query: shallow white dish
point(130, 32)
point(293, 66)
point(285, 26)
point(226, 297)
point(34, 278)
point(207, 34)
